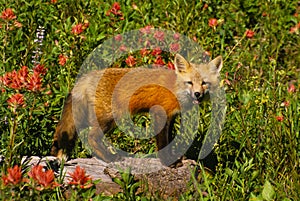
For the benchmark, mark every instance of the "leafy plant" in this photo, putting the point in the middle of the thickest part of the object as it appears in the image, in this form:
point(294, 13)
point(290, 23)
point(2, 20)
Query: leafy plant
point(45, 42)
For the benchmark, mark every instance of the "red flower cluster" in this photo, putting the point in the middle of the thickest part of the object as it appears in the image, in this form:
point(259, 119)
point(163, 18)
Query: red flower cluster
point(176, 36)
point(62, 59)
point(8, 14)
point(79, 28)
point(14, 176)
point(174, 47)
point(130, 61)
point(118, 37)
point(22, 79)
point(159, 61)
point(43, 178)
point(249, 33)
point(115, 10)
point(144, 52)
point(159, 35)
point(213, 22)
point(280, 118)
point(15, 101)
point(79, 178)
point(123, 48)
point(295, 28)
point(152, 51)
point(291, 88)
point(156, 51)
point(146, 29)
point(171, 66)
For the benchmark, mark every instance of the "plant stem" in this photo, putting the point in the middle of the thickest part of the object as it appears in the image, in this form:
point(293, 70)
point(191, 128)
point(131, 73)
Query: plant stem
point(12, 138)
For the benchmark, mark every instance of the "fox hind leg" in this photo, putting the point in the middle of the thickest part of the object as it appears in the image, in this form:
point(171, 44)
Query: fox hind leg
point(96, 140)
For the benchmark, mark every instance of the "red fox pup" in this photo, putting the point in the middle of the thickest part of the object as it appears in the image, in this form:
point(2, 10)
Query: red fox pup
point(102, 96)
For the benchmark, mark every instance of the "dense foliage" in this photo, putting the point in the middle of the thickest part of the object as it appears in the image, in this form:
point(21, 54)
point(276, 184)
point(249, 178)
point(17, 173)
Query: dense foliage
point(44, 43)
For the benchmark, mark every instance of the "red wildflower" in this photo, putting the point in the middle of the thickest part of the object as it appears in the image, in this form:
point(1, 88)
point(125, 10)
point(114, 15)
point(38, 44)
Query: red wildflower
point(14, 79)
point(44, 178)
point(147, 43)
point(130, 61)
point(176, 36)
point(249, 33)
point(19, 79)
point(6, 79)
point(35, 82)
point(280, 118)
point(14, 176)
point(23, 73)
point(174, 47)
point(294, 29)
point(17, 24)
point(264, 14)
point(23, 80)
point(123, 48)
point(118, 37)
point(46, 104)
point(286, 103)
point(291, 88)
point(78, 177)
point(115, 10)
point(40, 69)
point(159, 61)
point(16, 82)
point(213, 22)
point(48, 92)
point(77, 29)
point(144, 52)
point(205, 6)
point(171, 66)
point(146, 29)
point(8, 14)
point(16, 100)
point(159, 35)
point(62, 59)
point(156, 51)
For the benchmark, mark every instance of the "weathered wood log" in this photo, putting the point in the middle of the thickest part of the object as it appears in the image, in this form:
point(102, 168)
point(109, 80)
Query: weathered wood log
point(155, 178)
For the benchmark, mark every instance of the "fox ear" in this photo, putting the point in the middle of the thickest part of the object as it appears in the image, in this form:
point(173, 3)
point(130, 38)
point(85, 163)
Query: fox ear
point(216, 64)
point(181, 65)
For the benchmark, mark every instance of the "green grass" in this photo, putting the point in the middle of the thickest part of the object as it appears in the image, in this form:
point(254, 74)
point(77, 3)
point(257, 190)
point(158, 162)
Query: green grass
point(259, 150)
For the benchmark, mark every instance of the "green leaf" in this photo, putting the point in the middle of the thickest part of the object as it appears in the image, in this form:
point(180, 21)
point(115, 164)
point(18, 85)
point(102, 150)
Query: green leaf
point(268, 192)
point(255, 198)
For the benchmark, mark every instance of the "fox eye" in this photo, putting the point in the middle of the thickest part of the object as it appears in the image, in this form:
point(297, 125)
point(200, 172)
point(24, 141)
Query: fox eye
point(205, 83)
point(189, 82)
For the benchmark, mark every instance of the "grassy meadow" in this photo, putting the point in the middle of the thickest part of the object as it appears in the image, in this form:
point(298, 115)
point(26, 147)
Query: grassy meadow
point(45, 42)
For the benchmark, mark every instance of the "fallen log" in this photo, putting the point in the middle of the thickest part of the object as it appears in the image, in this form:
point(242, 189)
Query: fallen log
point(154, 177)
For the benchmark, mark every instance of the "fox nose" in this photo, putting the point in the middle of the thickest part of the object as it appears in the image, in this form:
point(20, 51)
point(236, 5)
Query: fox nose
point(197, 94)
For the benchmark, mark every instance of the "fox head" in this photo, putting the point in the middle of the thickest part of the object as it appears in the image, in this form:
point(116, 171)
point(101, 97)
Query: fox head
point(194, 81)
